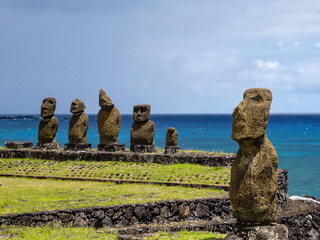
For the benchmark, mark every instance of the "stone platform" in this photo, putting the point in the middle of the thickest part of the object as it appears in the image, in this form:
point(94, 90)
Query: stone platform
point(171, 149)
point(142, 148)
point(77, 146)
point(205, 159)
point(111, 147)
point(53, 145)
point(18, 145)
point(268, 232)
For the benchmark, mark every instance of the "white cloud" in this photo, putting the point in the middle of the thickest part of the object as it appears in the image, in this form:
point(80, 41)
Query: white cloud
point(268, 64)
point(294, 77)
point(318, 44)
point(280, 44)
point(296, 43)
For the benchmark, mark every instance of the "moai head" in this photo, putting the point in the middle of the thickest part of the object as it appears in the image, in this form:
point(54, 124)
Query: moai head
point(77, 106)
point(104, 101)
point(141, 113)
point(48, 107)
point(250, 117)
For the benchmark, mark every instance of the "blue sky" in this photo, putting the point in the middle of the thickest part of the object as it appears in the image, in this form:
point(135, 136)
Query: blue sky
point(180, 56)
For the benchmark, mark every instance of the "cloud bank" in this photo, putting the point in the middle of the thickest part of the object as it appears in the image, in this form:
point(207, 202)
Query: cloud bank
point(180, 56)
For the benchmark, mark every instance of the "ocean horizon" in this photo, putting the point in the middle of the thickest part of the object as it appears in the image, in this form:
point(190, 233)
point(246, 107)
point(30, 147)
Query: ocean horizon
point(295, 136)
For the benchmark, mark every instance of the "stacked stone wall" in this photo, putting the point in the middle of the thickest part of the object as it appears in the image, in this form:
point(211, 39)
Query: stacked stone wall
point(127, 214)
point(61, 155)
point(303, 225)
point(282, 190)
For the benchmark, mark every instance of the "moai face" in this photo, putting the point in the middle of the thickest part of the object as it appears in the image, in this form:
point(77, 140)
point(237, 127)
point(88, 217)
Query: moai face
point(48, 107)
point(104, 101)
point(141, 113)
point(77, 106)
point(250, 117)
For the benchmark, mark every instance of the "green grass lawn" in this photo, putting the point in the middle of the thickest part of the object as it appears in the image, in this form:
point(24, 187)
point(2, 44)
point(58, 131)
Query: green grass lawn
point(186, 235)
point(18, 195)
point(59, 233)
point(147, 172)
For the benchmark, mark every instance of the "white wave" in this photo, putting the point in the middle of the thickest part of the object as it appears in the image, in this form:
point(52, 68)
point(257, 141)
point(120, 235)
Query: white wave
point(304, 199)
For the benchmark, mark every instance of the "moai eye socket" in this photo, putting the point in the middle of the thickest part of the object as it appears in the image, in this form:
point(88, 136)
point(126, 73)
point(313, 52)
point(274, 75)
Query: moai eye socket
point(144, 109)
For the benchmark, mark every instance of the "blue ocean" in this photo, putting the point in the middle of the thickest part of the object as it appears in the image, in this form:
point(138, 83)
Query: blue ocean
point(295, 137)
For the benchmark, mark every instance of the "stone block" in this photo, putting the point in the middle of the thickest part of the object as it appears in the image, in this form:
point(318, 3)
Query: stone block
point(171, 149)
point(52, 145)
point(18, 145)
point(77, 146)
point(111, 147)
point(142, 148)
point(268, 232)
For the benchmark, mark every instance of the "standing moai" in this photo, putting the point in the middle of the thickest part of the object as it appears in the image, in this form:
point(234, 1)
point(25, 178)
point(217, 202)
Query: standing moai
point(253, 183)
point(78, 127)
point(48, 126)
point(171, 141)
point(142, 130)
point(109, 121)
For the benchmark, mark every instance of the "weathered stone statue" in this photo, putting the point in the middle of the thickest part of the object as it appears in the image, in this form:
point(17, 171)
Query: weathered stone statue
point(171, 141)
point(49, 125)
point(78, 127)
point(142, 130)
point(109, 120)
point(254, 173)
point(253, 183)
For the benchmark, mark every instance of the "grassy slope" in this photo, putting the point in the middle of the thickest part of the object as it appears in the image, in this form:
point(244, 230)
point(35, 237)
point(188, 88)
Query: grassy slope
point(60, 233)
point(180, 173)
point(57, 233)
point(25, 195)
point(185, 235)
point(19, 195)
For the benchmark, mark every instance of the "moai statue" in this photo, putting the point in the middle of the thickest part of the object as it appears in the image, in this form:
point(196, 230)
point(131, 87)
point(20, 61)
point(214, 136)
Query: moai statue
point(171, 141)
point(78, 127)
point(109, 120)
point(254, 173)
point(48, 126)
point(142, 130)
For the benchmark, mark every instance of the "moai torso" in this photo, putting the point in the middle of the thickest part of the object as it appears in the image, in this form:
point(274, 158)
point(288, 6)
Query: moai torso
point(253, 183)
point(109, 125)
point(109, 120)
point(142, 133)
point(49, 124)
point(47, 130)
point(143, 129)
point(79, 122)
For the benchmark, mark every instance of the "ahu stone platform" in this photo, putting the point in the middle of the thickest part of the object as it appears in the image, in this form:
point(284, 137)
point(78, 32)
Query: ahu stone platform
point(125, 156)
